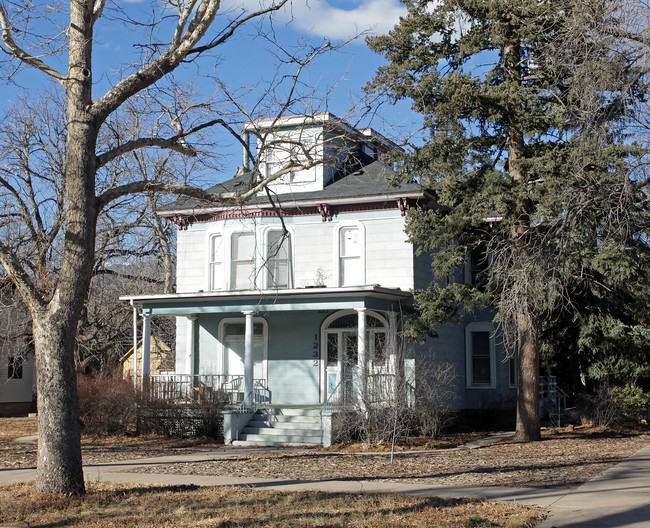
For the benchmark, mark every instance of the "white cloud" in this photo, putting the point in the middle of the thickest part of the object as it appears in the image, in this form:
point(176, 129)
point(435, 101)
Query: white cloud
point(325, 18)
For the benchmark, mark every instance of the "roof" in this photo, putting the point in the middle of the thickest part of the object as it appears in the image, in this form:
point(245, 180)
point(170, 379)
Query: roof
point(360, 177)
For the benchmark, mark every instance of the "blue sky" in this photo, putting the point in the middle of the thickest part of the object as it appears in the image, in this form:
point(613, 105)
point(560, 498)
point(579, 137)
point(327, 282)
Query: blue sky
point(335, 80)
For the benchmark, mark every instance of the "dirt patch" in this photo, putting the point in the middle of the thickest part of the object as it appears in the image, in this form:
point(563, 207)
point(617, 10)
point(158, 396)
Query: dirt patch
point(95, 449)
point(563, 458)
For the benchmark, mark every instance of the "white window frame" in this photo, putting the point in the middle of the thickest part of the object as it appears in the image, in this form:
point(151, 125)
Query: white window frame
point(211, 262)
point(337, 251)
point(231, 261)
point(222, 342)
point(290, 256)
point(482, 326)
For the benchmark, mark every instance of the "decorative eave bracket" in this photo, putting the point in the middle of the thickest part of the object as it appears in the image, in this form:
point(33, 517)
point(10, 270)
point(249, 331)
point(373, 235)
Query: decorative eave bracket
point(404, 205)
point(325, 212)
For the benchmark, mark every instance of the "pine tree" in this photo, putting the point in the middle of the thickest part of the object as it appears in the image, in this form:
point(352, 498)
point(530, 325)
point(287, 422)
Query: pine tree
point(527, 151)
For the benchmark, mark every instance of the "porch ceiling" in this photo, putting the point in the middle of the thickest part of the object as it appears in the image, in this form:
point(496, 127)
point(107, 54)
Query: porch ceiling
point(371, 297)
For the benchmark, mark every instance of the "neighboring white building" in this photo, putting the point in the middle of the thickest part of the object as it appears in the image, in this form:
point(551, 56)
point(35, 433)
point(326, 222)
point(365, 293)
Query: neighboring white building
point(278, 291)
point(17, 384)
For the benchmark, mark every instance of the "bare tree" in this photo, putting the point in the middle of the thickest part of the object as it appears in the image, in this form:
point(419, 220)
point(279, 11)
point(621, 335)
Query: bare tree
point(179, 33)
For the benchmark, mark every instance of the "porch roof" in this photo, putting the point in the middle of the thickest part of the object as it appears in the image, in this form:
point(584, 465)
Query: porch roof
point(373, 297)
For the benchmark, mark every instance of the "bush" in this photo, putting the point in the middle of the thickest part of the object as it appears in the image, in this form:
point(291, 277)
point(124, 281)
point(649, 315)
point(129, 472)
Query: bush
point(633, 404)
point(628, 404)
point(107, 404)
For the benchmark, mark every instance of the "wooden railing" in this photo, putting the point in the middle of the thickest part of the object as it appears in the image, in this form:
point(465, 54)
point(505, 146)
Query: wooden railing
point(198, 387)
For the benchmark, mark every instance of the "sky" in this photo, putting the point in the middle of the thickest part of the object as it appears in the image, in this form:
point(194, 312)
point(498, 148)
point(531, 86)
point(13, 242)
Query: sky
point(248, 64)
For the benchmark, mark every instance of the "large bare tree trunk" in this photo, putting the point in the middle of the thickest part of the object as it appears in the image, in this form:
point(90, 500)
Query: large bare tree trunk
point(55, 329)
point(59, 467)
point(527, 343)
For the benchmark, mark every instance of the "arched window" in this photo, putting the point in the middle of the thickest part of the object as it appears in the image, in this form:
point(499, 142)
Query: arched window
point(340, 346)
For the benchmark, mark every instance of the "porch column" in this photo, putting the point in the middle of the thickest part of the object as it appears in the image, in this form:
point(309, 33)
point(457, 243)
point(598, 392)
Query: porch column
point(146, 349)
point(393, 366)
point(189, 352)
point(248, 353)
point(362, 356)
point(135, 346)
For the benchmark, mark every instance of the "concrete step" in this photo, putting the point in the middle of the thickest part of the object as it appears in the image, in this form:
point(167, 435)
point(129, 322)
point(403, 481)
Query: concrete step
point(281, 439)
point(267, 443)
point(293, 421)
point(275, 431)
point(291, 411)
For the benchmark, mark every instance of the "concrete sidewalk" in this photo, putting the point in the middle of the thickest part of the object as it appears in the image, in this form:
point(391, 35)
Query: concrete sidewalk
point(620, 497)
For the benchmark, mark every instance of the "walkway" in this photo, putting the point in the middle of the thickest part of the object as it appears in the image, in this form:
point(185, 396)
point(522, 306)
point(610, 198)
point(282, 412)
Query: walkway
point(620, 497)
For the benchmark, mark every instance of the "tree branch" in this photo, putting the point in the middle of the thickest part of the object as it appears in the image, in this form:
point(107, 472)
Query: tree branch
point(21, 54)
point(230, 197)
point(169, 143)
point(20, 278)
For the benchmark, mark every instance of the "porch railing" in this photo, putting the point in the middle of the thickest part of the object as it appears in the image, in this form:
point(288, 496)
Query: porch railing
point(552, 398)
point(198, 387)
point(259, 396)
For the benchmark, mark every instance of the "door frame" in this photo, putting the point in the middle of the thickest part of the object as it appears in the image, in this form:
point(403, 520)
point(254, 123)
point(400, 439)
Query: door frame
point(223, 348)
point(326, 330)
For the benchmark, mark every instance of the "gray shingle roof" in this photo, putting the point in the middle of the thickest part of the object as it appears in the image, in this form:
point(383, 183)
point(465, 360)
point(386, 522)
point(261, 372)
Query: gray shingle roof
point(360, 177)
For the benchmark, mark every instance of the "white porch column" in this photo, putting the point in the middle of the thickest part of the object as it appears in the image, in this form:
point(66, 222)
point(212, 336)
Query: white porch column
point(393, 366)
point(146, 349)
point(248, 353)
point(135, 346)
point(362, 356)
point(189, 351)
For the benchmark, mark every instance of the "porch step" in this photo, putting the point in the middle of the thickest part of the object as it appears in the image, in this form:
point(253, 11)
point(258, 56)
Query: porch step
point(282, 427)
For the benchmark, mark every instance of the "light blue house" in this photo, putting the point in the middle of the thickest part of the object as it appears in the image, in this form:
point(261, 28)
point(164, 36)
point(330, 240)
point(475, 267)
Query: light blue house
point(300, 293)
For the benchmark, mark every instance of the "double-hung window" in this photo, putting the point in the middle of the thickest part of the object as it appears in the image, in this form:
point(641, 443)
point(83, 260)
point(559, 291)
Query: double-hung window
point(481, 364)
point(242, 263)
point(278, 259)
point(350, 261)
point(216, 262)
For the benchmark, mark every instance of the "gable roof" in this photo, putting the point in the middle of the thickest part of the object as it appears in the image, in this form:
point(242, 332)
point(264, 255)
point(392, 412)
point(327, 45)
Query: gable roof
point(360, 178)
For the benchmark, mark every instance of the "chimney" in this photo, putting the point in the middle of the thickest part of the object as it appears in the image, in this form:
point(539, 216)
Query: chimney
point(246, 161)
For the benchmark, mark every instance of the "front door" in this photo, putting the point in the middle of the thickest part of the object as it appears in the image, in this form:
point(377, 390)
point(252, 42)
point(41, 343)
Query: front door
point(342, 363)
point(234, 348)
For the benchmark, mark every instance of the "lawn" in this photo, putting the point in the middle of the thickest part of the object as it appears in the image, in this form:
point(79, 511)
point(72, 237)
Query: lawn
point(107, 506)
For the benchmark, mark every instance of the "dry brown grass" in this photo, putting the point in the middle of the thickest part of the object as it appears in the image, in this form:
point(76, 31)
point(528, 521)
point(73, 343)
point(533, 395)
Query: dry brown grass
point(563, 458)
point(107, 505)
point(95, 449)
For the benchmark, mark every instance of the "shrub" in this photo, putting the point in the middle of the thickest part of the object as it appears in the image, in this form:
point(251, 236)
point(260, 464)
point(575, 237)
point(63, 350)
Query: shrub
point(107, 404)
point(633, 404)
point(598, 409)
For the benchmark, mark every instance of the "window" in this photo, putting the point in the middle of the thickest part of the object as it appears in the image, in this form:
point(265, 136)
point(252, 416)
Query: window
point(351, 271)
point(216, 262)
point(278, 260)
point(480, 358)
point(15, 367)
point(478, 263)
point(233, 337)
point(242, 271)
point(480, 365)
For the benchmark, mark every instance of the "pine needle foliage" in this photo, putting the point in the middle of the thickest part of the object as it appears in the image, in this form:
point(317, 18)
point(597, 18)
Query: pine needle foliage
point(527, 108)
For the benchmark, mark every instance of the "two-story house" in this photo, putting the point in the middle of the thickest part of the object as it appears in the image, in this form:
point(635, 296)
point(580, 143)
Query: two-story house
point(305, 286)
